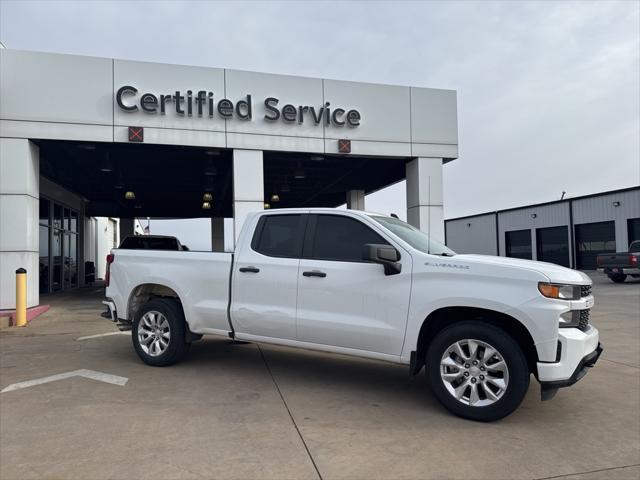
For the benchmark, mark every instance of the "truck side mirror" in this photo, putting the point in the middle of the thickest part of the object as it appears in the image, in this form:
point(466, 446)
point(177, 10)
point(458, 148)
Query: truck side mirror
point(385, 255)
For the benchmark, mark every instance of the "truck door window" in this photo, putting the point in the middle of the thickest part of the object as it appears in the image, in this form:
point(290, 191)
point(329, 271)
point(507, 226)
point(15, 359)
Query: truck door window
point(279, 235)
point(341, 238)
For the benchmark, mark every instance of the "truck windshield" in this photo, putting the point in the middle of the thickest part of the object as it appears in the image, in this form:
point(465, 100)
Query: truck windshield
point(414, 237)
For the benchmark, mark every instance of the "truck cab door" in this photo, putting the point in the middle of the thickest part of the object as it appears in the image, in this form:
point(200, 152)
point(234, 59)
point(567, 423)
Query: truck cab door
point(265, 277)
point(345, 301)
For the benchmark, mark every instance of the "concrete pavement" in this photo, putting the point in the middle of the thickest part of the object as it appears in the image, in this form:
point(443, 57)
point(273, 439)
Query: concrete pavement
point(243, 411)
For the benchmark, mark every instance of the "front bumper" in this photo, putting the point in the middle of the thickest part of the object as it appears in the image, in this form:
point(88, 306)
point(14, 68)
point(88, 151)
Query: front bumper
point(575, 345)
point(549, 389)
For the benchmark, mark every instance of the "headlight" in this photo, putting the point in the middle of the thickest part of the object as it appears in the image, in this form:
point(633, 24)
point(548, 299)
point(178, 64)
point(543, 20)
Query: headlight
point(563, 292)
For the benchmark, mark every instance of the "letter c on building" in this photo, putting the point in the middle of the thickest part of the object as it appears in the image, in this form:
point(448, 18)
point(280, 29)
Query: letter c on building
point(121, 92)
point(334, 116)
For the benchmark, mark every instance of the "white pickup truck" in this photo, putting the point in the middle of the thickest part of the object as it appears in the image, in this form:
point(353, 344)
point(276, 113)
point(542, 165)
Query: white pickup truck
point(369, 285)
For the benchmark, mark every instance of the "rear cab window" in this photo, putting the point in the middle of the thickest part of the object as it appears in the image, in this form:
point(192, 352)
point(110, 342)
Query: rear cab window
point(280, 235)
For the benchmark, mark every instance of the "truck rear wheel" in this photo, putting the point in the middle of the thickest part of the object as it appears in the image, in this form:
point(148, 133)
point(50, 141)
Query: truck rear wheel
point(618, 277)
point(158, 332)
point(477, 371)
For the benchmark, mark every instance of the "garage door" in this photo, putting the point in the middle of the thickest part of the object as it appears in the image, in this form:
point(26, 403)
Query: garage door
point(518, 243)
point(633, 229)
point(552, 245)
point(593, 239)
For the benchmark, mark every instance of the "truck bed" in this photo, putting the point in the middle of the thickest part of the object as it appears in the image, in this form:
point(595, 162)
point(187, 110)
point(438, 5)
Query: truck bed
point(200, 280)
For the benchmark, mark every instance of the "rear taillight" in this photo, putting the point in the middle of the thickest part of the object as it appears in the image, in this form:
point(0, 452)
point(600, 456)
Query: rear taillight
point(107, 275)
point(633, 260)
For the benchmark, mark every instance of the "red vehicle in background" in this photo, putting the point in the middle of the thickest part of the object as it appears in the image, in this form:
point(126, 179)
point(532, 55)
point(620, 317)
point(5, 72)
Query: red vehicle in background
point(620, 264)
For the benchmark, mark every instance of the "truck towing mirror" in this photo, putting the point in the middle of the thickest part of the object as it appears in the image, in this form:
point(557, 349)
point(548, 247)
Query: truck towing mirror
point(385, 255)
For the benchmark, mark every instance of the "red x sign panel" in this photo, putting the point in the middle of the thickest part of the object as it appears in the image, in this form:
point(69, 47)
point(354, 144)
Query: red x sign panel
point(344, 146)
point(136, 134)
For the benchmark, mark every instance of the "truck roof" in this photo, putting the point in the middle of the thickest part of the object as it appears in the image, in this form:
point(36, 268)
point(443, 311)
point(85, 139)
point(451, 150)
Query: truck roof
point(323, 210)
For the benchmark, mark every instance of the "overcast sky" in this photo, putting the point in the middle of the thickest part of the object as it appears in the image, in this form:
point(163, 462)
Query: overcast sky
point(548, 92)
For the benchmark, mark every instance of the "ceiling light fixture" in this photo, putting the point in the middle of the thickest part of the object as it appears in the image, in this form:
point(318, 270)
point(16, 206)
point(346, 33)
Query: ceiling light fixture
point(212, 153)
point(207, 197)
point(130, 195)
point(267, 206)
point(316, 158)
point(275, 198)
point(86, 146)
point(206, 206)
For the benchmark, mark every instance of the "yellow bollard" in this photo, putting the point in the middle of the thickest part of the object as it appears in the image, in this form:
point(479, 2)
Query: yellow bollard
point(21, 297)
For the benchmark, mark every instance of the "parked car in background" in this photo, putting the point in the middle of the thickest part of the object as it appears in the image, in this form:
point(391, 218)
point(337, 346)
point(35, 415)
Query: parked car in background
point(620, 264)
point(151, 242)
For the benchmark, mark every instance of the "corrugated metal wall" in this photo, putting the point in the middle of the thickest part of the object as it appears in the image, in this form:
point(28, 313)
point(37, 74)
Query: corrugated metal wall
point(473, 234)
point(602, 209)
point(477, 234)
point(553, 215)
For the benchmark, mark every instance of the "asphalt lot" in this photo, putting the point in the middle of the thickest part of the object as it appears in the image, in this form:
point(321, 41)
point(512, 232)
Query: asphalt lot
point(242, 411)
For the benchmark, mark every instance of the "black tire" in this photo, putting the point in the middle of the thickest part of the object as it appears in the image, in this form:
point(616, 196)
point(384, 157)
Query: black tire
point(177, 346)
point(507, 347)
point(618, 277)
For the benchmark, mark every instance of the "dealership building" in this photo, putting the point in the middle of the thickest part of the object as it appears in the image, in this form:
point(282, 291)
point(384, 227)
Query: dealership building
point(89, 144)
point(569, 232)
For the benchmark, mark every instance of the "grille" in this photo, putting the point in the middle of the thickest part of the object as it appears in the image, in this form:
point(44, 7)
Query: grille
point(585, 290)
point(583, 324)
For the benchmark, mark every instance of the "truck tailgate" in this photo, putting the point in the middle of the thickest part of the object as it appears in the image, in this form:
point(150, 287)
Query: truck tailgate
point(614, 260)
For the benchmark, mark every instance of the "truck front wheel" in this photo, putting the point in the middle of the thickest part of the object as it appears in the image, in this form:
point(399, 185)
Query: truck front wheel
point(477, 371)
point(158, 332)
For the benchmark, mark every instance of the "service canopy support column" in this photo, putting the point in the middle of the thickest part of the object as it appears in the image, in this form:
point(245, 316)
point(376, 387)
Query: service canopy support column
point(19, 211)
point(217, 234)
point(248, 186)
point(424, 196)
point(355, 199)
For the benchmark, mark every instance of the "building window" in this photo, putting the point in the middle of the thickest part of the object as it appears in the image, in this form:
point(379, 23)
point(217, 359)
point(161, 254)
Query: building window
point(58, 232)
point(45, 211)
point(44, 233)
point(56, 260)
point(592, 239)
point(552, 245)
point(518, 243)
point(57, 216)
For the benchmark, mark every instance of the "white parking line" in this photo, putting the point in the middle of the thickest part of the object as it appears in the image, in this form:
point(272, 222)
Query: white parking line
point(102, 335)
point(92, 374)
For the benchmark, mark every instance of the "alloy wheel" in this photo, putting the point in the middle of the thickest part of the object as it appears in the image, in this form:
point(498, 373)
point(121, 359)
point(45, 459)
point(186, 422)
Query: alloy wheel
point(474, 372)
point(154, 333)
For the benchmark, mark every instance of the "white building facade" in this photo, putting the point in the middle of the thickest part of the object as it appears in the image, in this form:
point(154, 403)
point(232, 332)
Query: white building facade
point(65, 120)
